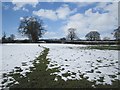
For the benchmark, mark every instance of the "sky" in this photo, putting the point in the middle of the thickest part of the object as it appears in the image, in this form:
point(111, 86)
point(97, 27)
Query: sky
point(58, 17)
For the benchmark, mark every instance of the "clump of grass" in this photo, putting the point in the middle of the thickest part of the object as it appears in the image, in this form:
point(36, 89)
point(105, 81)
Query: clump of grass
point(91, 71)
point(112, 76)
point(18, 69)
point(66, 74)
point(101, 79)
point(4, 75)
point(96, 67)
point(24, 64)
point(100, 61)
point(98, 72)
point(4, 81)
point(73, 73)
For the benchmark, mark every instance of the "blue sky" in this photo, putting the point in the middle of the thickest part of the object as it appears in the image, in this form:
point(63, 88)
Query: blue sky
point(58, 17)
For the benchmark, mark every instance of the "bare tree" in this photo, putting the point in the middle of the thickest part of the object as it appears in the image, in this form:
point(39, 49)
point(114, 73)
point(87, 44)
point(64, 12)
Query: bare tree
point(93, 35)
point(71, 34)
point(116, 33)
point(31, 27)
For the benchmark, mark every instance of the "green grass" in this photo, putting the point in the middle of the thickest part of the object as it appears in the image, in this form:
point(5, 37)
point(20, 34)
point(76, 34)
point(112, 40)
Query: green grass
point(103, 47)
point(40, 77)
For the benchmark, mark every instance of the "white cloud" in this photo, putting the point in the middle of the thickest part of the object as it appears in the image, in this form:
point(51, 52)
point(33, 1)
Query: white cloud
point(64, 11)
point(83, 4)
point(50, 14)
point(22, 3)
point(24, 9)
point(21, 18)
point(51, 35)
point(61, 13)
point(102, 22)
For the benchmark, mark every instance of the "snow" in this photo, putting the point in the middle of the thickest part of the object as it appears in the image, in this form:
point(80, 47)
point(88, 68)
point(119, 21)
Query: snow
point(69, 58)
point(90, 62)
point(15, 55)
point(18, 55)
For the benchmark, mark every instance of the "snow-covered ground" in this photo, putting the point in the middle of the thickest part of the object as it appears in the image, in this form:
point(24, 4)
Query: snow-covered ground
point(76, 60)
point(73, 59)
point(19, 55)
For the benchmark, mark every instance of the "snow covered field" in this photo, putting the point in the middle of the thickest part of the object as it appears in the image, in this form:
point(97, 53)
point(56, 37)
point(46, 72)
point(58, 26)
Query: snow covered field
point(75, 60)
point(72, 59)
point(19, 55)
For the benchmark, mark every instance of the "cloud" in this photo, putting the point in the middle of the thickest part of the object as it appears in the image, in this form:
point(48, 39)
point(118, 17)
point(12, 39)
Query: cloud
point(102, 22)
point(24, 9)
point(61, 13)
point(51, 35)
point(49, 14)
point(64, 11)
point(18, 5)
point(83, 4)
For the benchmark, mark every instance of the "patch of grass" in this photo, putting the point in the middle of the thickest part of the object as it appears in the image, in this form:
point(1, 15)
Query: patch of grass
point(18, 69)
point(96, 67)
point(101, 79)
point(32, 68)
point(66, 60)
point(66, 74)
point(112, 76)
point(100, 61)
point(24, 63)
point(73, 73)
point(98, 72)
point(81, 75)
point(91, 71)
point(51, 65)
point(4, 81)
point(4, 75)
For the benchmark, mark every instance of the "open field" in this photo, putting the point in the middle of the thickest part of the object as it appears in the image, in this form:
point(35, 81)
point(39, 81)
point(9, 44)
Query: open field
point(59, 65)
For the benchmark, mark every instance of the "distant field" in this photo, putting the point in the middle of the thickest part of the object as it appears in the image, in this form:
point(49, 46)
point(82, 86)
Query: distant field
point(105, 47)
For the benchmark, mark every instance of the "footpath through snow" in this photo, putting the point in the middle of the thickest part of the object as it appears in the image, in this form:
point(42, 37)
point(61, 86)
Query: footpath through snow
point(73, 59)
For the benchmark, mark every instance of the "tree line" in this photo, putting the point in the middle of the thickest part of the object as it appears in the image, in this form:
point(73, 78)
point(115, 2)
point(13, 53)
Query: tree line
point(33, 28)
point(93, 35)
point(8, 39)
